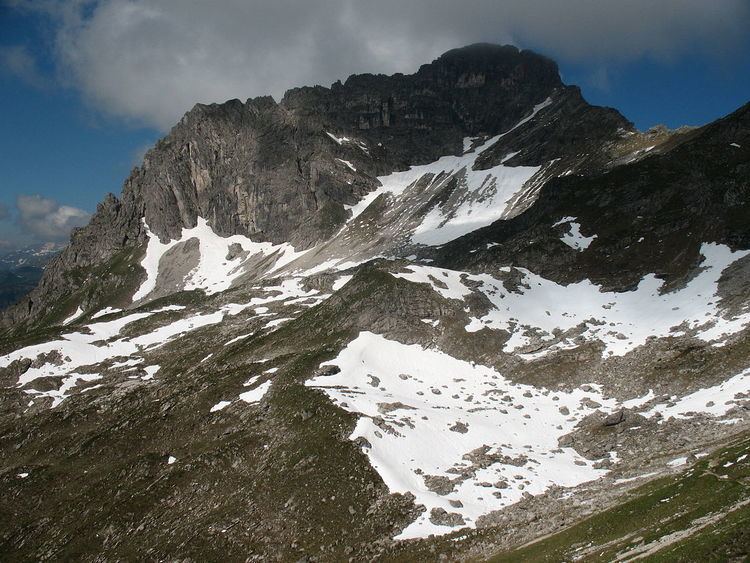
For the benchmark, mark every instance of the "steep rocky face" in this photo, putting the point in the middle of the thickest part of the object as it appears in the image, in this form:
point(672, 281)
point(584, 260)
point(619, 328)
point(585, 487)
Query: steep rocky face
point(413, 119)
point(647, 216)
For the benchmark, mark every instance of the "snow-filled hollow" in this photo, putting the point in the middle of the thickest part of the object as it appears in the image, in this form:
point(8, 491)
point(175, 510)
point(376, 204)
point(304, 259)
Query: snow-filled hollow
point(428, 415)
point(214, 272)
point(465, 440)
point(556, 316)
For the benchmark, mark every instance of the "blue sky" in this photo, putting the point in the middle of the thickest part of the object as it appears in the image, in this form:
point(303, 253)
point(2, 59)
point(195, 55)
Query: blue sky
point(87, 87)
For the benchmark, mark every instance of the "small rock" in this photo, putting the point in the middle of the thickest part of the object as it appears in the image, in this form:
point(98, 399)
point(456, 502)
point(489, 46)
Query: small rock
point(459, 427)
point(441, 517)
point(615, 418)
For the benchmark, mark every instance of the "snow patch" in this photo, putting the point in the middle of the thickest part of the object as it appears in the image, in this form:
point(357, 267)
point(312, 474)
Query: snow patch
point(341, 282)
point(221, 405)
point(716, 401)
point(74, 316)
point(347, 163)
point(435, 422)
point(543, 311)
point(573, 238)
point(214, 272)
point(255, 395)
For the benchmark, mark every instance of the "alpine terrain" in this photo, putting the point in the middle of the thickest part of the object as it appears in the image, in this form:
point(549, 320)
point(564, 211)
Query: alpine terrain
point(455, 315)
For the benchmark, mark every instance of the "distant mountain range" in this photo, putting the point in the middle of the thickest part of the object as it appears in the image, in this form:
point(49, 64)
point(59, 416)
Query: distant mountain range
point(20, 270)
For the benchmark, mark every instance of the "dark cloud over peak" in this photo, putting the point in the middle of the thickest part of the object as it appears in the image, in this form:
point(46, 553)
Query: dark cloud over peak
point(151, 61)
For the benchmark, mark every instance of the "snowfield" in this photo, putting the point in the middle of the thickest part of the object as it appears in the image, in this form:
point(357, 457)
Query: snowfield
point(214, 272)
point(466, 441)
point(554, 316)
point(430, 418)
point(99, 342)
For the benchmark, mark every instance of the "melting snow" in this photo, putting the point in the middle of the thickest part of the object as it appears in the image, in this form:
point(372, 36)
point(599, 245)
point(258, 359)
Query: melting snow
point(430, 417)
point(349, 164)
point(540, 308)
point(468, 141)
point(106, 311)
point(220, 406)
point(339, 140)
point(214, 273)
point(677, 462)
point(73, 317)
point(717, 400)
point(483, 195)
point(237, 338)
point(342, 140)
point(464, 439)
point(97, 345)
point(573, 238)
point(255, 395)
point(150, 372)
point(341, 282)
point(277, 322)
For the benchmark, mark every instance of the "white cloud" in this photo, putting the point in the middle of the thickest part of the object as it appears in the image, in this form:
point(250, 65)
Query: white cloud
point(46, 219)
point(150, 61)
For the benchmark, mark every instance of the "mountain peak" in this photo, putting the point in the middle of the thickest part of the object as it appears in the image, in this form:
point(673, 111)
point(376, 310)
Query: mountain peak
point(388, 310)
point(489, 57)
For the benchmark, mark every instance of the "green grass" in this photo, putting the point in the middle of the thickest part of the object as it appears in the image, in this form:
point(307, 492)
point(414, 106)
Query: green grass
point(665, 506)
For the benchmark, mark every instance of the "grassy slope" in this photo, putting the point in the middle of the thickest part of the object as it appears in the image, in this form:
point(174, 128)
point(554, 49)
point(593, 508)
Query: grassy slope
point(702, 514)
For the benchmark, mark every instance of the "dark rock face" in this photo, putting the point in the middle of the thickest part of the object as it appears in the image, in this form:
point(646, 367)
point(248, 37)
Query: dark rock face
point(264, 169)
point(417, 118)
point(649, 216)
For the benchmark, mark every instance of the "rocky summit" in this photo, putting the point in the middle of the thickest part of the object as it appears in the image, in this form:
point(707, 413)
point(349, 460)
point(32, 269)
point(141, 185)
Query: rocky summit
point(454, 315)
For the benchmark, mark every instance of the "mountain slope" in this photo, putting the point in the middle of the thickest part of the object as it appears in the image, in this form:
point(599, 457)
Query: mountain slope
point(451, 312)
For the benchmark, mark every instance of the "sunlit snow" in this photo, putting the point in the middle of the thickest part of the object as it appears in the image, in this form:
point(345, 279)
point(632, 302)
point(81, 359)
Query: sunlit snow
point(255, 395)
point(78, 312)
point(214, 273)
point(221, 405)
point(429, 416)
point(542, 311)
